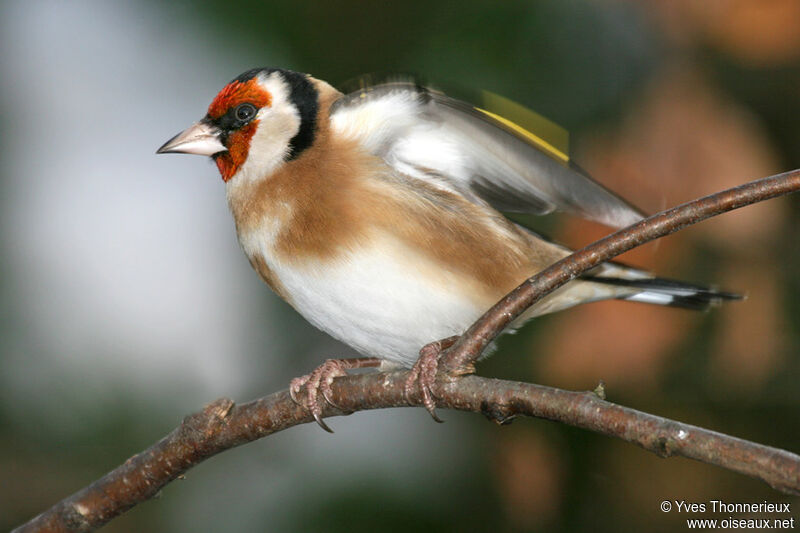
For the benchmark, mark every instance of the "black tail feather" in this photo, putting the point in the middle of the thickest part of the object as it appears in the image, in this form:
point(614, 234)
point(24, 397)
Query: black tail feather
point(669, 292)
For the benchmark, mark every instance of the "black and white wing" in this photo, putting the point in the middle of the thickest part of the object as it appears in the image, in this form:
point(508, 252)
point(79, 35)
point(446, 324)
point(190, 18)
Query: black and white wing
point(430, 136)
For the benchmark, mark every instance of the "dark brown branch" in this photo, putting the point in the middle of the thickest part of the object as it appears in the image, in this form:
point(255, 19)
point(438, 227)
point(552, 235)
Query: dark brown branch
point(222, 425)
point(461, 357)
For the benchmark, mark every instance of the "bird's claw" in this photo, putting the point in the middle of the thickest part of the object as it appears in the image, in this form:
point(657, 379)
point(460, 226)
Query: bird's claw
point(312, 385)
point(423, 374)
point(322, 423)
point(306, 390)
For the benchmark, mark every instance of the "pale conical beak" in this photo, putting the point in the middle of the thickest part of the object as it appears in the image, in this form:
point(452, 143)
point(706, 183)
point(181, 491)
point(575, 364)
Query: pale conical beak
point(200, 138)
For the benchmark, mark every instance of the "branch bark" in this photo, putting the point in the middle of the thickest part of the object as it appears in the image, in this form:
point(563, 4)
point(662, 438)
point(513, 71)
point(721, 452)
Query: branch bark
point(223, 425)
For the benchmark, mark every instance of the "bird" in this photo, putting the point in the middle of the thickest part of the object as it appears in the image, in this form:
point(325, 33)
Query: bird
point(379, 214)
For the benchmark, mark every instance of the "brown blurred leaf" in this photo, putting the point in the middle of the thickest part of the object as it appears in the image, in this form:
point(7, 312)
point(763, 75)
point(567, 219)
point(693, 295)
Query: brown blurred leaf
point(622, 343)
point(529, 473)
point(684, 139)
point(758, 32)
point(750, 344)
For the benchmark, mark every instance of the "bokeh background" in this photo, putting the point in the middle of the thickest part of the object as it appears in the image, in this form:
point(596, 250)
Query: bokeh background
point(125, 302)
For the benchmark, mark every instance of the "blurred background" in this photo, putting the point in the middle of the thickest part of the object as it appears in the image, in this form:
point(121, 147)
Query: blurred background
point(125, 302)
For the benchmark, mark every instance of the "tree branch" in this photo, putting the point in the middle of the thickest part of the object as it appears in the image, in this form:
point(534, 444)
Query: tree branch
point(222, 425)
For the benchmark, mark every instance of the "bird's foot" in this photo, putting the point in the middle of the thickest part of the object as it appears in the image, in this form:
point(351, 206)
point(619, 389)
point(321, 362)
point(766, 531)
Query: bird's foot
point(423, 373)
point(319, 382)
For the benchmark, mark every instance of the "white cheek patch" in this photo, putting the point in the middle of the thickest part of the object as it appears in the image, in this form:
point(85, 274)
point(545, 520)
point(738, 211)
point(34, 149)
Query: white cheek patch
point(277, 124)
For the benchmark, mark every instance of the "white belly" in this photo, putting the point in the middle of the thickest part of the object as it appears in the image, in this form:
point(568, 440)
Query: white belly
point(384, 300)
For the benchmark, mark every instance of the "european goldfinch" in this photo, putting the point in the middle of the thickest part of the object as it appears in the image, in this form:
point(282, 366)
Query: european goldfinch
point(377, 214)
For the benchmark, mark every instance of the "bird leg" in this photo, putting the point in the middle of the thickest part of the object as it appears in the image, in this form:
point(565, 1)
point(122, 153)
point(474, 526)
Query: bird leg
point(320, 380)
point(424, 372)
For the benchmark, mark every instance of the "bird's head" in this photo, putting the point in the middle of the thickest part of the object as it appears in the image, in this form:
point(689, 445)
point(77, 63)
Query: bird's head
point(260, 120)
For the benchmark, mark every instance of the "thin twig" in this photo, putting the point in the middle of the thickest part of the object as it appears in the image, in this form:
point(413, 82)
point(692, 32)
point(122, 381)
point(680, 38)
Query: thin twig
point(222, 425)
point(460, 358)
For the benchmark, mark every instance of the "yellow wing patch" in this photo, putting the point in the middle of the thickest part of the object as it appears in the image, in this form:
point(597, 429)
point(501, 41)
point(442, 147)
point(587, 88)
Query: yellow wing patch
point(549, 136)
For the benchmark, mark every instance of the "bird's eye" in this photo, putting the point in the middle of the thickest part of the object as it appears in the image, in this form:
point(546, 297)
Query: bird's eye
point(245, 112)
